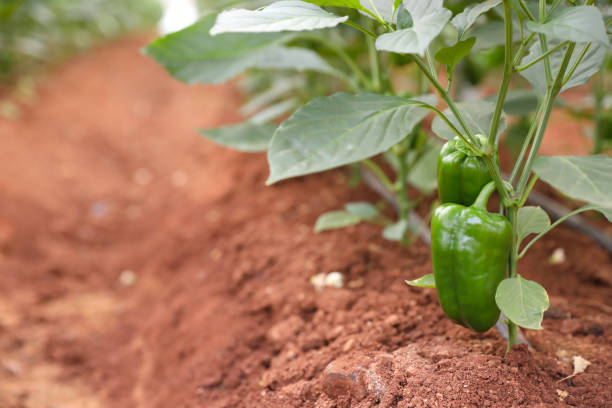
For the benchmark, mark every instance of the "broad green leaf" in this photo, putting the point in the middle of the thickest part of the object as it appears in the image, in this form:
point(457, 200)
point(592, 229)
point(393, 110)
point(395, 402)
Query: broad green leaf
point(606, 212)
point(531, 220)
point(397, 231)
point(521, 102)
point(464, 20)
point(363, 210)
point(478, 116)
point(353, 4)
point(591, 64)
point(429, 18)
point(450, 56)
point(192, 55)
point(426, 281)
point(336, 219)
point(423, 174)
point(575, 24)
point(522, 301)
point(384, 7)
point(582, 178)
point(332, 131)
point(491, 34)
point(246, 137)
point(279, 16)
point(293, 58)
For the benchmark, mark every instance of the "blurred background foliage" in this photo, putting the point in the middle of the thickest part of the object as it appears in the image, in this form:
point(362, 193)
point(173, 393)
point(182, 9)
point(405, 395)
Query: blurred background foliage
point(35, 33)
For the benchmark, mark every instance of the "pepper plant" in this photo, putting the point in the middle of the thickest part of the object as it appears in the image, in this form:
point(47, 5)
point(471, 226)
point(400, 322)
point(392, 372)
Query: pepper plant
point(554, 45)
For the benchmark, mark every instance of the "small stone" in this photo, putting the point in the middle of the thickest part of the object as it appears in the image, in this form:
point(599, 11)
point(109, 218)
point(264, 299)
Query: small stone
point(558, 256)
point(392, 320)
point(562, 394)
point(348, 345)
point(128, 278)
point(355, 284)
point(334, 280)
point(318, 281)
point(356, 376)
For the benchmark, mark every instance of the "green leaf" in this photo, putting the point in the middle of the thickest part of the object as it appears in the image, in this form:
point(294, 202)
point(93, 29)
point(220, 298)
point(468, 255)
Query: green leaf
point(426, 281)
point(429, 18)
point(336, 219)
point(353, 4)
point(397, 231)
point(384, 7)
point(521, 102)
point(246, 137)
point(279, 16)
point(423, 174)
point(582, 178)
point(531, 220)
point(363, 210)
point(293, 58)
point(450, 56)
point(575, 24)
point(606, 212)
point(478, 115)
point(590, 64)
point(192, 55)
point(522, 301)
point(464, 20)
point(332, 131)
point(491, 34)
point(404, 19)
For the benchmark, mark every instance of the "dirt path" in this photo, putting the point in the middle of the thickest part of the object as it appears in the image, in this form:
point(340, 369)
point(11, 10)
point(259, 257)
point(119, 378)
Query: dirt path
point(142, 266)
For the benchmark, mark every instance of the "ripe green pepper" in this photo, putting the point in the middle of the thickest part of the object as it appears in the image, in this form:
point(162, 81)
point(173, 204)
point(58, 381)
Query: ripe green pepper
point(470, 249)
point(461, 174)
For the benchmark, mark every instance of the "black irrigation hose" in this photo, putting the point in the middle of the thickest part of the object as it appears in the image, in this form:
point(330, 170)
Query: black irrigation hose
point(377, 186)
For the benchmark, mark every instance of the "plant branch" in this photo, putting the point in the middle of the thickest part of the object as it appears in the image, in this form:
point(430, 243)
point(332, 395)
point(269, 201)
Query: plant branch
point(342, 54)
point(471, 140)
point(578, 61)
point(503, 90)
point(553, 225)
point(360, 28)
point(532, 129)
point(541, 57)
point(548, 105)
point(375, 168)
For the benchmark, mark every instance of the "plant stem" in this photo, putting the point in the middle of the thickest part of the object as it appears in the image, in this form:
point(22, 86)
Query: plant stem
point(402, 191)
point(555, 224)
point(526, 143)
point(343, 56)
point(544, 44)
point(442, 92)
point(375, 65)
point(541, 57)
point(375, 168)
point(512, 217)
point(503, 90)
point(549, 99)
point(360, 28)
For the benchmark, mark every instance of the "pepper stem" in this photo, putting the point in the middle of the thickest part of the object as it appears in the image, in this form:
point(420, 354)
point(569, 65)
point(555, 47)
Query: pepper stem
point(484, 195)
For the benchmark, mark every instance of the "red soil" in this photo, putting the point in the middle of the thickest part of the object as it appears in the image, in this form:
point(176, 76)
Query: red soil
point(104, 174)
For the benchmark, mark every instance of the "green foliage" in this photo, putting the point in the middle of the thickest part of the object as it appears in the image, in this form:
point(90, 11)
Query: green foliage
point(34, 33)
point(522, 301)
point(333, 131)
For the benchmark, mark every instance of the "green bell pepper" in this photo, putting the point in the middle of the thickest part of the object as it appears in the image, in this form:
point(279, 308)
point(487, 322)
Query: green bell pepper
point(461, 174)
point(470, 249)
